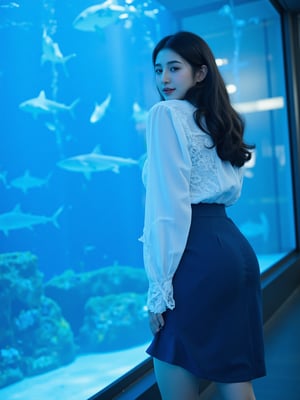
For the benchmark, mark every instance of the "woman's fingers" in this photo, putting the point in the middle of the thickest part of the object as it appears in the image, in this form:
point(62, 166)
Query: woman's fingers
point(156, 322)
point(160, 320)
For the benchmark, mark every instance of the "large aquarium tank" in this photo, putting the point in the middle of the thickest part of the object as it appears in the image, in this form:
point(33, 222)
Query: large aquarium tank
point(76, 83)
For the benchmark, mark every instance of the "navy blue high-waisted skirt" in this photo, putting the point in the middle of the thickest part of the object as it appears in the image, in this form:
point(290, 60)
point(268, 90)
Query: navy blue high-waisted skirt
point(215, 330)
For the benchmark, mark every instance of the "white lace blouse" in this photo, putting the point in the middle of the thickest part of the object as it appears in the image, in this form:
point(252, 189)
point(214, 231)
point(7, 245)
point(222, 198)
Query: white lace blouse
point(180, 170)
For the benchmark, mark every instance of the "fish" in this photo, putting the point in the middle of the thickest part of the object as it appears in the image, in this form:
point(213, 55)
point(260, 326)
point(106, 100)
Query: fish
point(17, 219)
point(88, 248)
point(95, 161)
point(227, 11)
point(100, 110)
point(3, 179)
point(42, 105)
point(27, 181)
point(151, 13)
point(254, 229)
point(139, 114)
point(99, 16)
point(51, 126)
point(11, 4)
point(26, 25)
point(52, 53)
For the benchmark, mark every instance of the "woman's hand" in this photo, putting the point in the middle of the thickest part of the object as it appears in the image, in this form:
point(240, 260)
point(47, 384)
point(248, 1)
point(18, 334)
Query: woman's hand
point(156, 322)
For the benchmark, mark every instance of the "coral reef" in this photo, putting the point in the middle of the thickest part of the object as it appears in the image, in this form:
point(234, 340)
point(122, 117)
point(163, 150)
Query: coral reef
point(10, 366)
point(80, 287)
point(45, 325)
point(34, 336)
point(114, 322)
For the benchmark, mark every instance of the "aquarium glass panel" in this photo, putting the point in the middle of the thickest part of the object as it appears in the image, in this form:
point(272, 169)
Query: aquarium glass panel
point(76, 83)
point(247, 42)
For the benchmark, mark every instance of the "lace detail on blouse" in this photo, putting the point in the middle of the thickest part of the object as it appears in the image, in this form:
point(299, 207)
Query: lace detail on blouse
point(204, 173)
point(160, 296)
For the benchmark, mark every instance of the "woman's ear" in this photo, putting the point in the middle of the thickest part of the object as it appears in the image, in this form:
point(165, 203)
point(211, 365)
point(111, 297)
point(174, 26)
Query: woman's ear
point(201, 73)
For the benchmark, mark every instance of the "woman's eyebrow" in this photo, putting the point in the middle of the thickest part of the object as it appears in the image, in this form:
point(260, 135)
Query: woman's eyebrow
point(169, 63)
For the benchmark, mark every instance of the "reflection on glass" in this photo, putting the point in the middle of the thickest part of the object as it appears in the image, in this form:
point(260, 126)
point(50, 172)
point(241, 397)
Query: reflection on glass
point(76, 84)
point(246, 39)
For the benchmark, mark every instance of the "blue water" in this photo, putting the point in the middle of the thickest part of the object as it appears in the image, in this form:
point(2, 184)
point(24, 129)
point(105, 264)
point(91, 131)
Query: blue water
point(64, 93)
point(87, 111)
point(102, 217)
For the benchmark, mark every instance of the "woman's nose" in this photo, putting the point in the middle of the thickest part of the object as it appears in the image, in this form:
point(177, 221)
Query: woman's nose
point(165, 78)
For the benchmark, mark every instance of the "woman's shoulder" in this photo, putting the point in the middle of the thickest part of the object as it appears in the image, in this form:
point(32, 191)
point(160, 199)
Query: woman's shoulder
point(178, 106)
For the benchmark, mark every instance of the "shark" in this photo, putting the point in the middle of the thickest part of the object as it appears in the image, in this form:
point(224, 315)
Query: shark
point(254, 229)
point(99, 16)
point(11, 4)
point(52, 53)
point(42, 105)
point(27, 181)
point(17, 219)
point(95, 161)
point(100, 110)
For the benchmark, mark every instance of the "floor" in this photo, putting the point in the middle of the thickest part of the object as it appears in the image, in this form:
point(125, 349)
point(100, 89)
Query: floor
point(282, 345)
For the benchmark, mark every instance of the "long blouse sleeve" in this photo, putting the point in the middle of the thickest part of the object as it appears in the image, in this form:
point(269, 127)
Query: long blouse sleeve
point(167, 204)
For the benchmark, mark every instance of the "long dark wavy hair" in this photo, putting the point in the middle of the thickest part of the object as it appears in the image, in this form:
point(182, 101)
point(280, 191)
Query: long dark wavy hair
point(214, 113)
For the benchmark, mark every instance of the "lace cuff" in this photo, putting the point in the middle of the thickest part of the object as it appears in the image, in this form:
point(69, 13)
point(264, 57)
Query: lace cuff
point(160, 296)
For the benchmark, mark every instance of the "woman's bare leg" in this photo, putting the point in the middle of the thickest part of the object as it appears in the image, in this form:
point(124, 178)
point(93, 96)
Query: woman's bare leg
point(236, 391)
point(175, 383)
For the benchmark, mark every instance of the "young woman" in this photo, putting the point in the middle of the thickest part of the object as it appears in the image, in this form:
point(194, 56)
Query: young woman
point(204, 296)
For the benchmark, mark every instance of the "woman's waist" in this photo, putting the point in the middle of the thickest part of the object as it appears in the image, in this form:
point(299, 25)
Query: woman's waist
point(209, 209)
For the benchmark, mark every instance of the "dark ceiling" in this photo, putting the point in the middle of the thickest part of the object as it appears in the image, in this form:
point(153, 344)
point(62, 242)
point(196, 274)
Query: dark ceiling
point(177, 6)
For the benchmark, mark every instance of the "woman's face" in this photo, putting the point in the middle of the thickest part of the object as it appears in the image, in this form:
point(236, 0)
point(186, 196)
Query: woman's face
point(174, 75)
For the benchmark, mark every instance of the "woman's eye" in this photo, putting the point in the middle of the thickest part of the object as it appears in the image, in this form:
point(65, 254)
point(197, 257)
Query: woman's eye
point(173, 69)
point(158, 71)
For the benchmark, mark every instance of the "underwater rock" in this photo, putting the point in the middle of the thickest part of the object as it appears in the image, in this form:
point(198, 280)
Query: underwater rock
point(21, 288)
point(103, 310)
point(26, 281)
point(114, 322)
point(26, 319)
point(50, 343)
point(40, 365)
point(72, 290)
point(34, 336)
point(10, 366)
